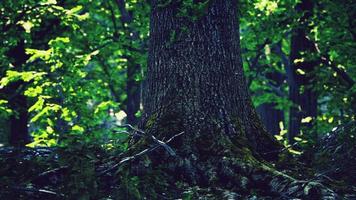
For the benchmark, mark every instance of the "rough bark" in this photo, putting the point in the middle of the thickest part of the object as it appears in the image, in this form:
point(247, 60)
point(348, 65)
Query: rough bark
point(195, 78)
point(195, 85)
point(301, 90)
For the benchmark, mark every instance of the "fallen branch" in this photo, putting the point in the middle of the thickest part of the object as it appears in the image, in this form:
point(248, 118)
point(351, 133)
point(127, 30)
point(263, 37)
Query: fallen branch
point(282, 150)
point(141, 133)
point(52, 171)
point(129, 158)
point(34, 190)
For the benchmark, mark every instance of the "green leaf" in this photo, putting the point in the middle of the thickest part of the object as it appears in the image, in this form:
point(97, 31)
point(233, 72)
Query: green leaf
point(307, 119)
point(37, 106)
point(27, 25)
point(38, 54)
point(278, 137)
point(295, 152)
point(77, 128)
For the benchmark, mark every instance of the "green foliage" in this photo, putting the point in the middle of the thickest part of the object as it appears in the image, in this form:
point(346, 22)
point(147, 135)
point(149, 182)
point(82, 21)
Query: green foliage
point(266, 28)
point(291, 148)
point(193, 10)
point(4, 110)
point(81, 181)
point(129, 186)
point(74, 74)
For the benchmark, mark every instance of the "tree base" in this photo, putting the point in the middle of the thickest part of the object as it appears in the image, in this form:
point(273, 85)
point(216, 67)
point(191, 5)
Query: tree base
point(234, 173)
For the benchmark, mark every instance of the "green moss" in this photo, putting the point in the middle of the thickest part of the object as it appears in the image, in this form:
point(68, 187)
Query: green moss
point(193, 11)
point(151, 121)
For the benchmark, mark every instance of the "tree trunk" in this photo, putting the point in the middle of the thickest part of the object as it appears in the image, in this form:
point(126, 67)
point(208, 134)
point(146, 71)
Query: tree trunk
point(195, 81)
point(195, 85)
point(301, 91)
point(133, 87)
point(19, 134)
point(271, 117)
point(269, 114)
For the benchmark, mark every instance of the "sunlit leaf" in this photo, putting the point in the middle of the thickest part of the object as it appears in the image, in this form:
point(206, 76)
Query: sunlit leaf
point(295, 152)
point(307, 119)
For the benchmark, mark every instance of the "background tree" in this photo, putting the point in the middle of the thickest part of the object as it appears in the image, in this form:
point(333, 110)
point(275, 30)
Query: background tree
point(134, 60)
point(301, 73)
point(265, 34)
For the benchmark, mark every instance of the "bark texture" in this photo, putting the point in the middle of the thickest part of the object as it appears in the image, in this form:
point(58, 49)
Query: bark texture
point(195, 78)
point(196, 85)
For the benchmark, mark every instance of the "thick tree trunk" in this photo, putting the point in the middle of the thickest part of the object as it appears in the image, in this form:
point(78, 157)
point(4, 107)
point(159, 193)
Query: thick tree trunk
point(301, 90)
point(195, 85)
point(195, 80)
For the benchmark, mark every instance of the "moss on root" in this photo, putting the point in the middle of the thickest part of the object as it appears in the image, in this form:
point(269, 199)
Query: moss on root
point(215, 166)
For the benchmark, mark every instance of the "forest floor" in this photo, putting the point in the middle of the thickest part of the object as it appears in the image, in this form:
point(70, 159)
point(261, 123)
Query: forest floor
point(77, 173)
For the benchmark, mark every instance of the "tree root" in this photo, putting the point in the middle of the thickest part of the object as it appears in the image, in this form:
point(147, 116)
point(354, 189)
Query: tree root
point(258, 177)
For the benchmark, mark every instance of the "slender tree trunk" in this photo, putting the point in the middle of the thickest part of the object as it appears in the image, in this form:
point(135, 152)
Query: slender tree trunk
point(133, 87)
point(19, 134)
point(14, 92)
point(270, 117)
point(301, 90)
point(269, 114)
